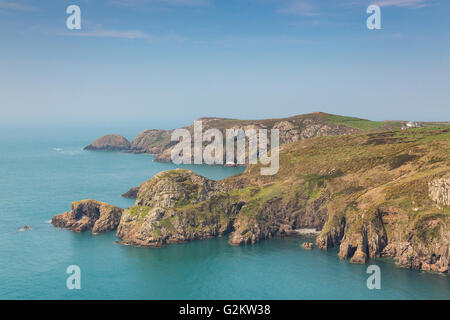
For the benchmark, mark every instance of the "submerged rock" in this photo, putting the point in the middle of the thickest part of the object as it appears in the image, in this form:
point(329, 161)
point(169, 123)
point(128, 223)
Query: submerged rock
point(89, 215)
point(110, 142)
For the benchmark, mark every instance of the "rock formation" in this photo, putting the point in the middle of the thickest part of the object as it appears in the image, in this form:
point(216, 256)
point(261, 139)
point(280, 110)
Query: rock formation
point(110, 142)
point(439, 190)
point(171, 208)
point(89, 215)
point(307, 245)
point(372, 195)
point(291, 129)
point(132, 193)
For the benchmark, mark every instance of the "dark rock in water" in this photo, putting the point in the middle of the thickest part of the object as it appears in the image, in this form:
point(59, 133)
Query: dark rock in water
point(25, 228)
point(307, 245)
point(132, 193)
point(89, 215)
point(110, 142)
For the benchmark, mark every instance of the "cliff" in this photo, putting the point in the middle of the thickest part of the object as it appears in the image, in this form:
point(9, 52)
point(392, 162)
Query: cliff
point(89, 215)
point(291, 129)
point(110, 142)
point(171, 208)
point(371, 194)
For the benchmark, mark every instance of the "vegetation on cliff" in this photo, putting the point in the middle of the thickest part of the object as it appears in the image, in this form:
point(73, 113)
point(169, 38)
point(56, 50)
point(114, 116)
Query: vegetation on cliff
point(291, 129)
point(372, 194)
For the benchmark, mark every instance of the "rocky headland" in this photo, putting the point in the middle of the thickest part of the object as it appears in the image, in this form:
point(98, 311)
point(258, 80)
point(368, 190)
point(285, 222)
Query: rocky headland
point(89, 215)
point(291, 129)
point(110, 142)
point(371, 194)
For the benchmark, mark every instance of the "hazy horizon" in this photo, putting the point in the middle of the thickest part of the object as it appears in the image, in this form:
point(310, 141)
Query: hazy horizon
point(172, 61)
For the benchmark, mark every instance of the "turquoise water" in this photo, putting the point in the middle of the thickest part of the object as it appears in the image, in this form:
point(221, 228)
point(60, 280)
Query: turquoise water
point(42, 171)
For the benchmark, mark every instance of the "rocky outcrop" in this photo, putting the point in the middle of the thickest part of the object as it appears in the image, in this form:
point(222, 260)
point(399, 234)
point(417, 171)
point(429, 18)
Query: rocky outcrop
point(439, 191)
point(168, 189)
point(151, 141)
point(363, 240)
point(176, 206)
point(132, 193)
point(371, 195)
point(288, 132)
point(427, 245)
point(331, 234)
point(307, 245)
point(291, 129)
point(89, 215)
point(110, 142)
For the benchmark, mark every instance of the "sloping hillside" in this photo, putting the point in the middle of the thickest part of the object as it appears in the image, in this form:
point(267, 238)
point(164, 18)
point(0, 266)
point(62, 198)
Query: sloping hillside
point(372, 194)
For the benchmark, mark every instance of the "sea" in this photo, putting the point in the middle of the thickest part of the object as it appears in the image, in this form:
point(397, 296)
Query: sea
point(43, 169)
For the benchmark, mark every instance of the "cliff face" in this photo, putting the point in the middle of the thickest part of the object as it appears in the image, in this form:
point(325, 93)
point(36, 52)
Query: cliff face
point(110, 142)
point(89, 215)
point(291, 129)
point(151, 141)
point(371, 195)
point(176, 206)
point(439, 190)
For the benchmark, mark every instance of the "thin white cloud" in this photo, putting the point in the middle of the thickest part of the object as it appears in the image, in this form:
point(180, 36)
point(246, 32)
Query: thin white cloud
point(16, 6)
point(263, 40)
point(403, 3)
point(168, 3)
point(124, 34)
point(299, 8)
point(412, 4)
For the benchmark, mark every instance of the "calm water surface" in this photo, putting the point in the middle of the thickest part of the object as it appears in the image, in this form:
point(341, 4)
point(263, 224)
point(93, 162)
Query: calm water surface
point(42, 171)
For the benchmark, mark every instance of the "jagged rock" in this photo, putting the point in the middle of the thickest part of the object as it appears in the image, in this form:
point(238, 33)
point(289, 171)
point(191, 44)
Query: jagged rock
point(132, 193)
point(307, 245)
point(427, 247)
point(439, 191)
point(346, 187)
point(291, 129)
point(89, 215)
point(169, 188)
point(171, 208)
point(151, 141)
point(110, 142)
point(287, 131)
point(332, 234)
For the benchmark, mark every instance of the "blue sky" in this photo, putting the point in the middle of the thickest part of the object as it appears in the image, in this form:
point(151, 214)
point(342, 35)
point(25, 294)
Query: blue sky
point(170, 61)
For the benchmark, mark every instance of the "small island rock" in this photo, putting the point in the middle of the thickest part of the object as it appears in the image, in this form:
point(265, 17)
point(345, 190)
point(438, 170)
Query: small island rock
point(89, 215)
point(110, 142)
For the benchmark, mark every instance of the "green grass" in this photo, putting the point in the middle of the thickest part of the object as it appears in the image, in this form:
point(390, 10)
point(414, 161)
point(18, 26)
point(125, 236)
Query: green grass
point(357, 123)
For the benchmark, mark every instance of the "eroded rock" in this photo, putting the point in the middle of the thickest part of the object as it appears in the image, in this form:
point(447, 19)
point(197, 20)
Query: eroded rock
point(89, 215)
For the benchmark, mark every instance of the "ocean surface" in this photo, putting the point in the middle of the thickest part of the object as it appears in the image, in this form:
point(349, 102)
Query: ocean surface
point(42, 171)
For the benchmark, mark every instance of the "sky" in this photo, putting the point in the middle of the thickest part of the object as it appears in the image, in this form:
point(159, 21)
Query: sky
point(168, 62)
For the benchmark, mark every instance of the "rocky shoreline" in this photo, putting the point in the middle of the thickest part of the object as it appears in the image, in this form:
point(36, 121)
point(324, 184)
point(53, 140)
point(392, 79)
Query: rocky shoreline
point(371, 195)
point(158, 142)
